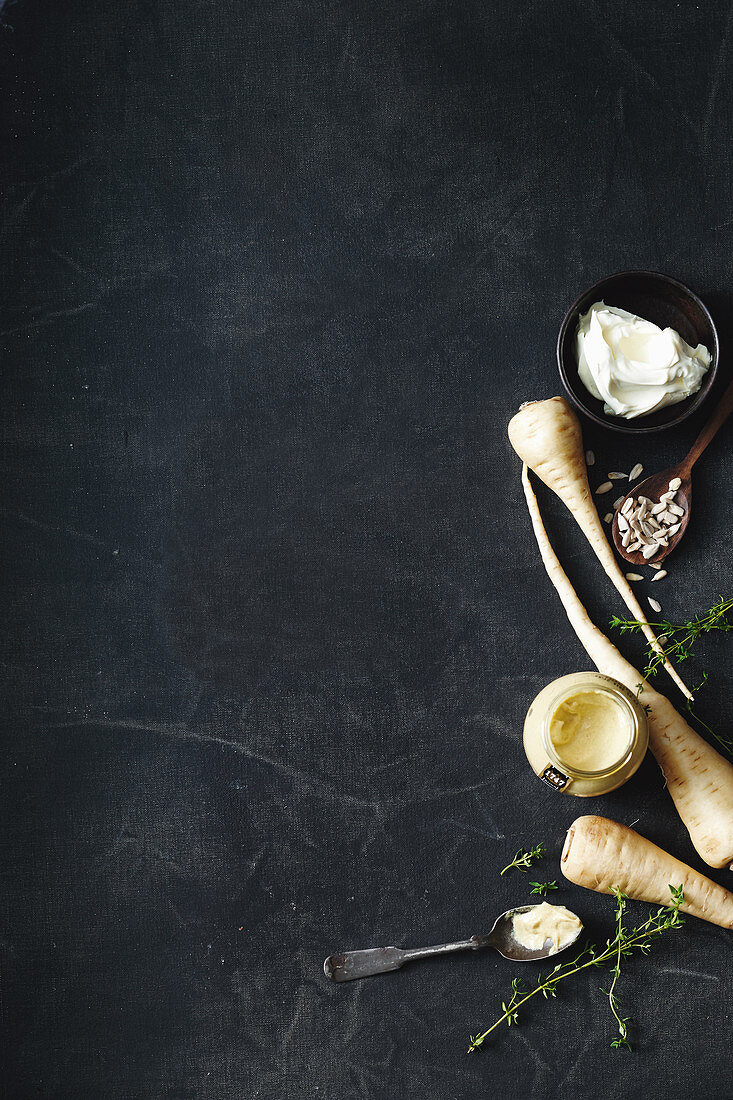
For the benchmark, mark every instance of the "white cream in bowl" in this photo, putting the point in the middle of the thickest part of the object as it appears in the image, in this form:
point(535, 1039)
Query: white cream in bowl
point(634, 366)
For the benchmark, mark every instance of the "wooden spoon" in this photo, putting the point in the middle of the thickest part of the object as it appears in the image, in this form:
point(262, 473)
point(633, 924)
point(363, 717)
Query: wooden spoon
point(653, 487)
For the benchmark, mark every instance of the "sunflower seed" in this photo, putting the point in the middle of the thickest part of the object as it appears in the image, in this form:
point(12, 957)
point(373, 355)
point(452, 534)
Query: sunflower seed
point(634, 546)
point(627, 506)
point(636, 472)
point(642, 510)
point(618, 502)
point(674, 530)
point(634, 577)
point(659, 508)
point(590, 458)
point(616, 475)
point(650, 551)
point(605, 488)
point(655, 606)
point(675, 483)
point(608, 518)
point(623, 523)
point(658, 576)
point(666, 497)
point(626, 539)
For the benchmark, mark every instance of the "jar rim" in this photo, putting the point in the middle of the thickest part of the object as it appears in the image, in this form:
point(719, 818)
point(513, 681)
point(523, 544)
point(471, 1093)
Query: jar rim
point(619, 694)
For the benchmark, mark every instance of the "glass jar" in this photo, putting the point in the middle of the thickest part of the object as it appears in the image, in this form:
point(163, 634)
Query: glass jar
point(585, 734)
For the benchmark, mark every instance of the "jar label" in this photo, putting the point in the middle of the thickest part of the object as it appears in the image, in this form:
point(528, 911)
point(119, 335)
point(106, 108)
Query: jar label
point(555, 778)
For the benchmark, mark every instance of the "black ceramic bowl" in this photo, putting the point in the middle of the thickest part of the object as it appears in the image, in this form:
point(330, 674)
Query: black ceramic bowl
point(657, 298)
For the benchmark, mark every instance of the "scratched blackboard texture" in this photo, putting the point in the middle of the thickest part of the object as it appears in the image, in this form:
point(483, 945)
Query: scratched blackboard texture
point(275, 275)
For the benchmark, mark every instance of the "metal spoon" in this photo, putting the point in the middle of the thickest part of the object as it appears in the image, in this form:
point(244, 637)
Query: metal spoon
point(345, 966)
point(653, 487)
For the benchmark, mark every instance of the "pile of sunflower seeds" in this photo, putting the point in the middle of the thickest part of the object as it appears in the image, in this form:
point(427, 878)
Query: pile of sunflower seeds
point(647, 526)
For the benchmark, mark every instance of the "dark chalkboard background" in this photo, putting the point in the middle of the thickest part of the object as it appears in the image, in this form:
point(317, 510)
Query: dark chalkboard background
point(275, 275)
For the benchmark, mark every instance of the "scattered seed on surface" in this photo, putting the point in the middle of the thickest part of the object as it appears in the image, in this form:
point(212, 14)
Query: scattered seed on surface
point(655, 606)
point(675, 483)
point(636, 472)
point(590, 458)
point(608, 518)
point(658, 576)
point(618, 502)
point(634, 577)
point(605, 488)
point(616, 475)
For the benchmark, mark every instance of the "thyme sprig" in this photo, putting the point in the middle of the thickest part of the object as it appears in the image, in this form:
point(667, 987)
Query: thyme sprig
point(622, 1039)
point(677, 639)
point(624, 943)
point(543, 888)
point(524, 859)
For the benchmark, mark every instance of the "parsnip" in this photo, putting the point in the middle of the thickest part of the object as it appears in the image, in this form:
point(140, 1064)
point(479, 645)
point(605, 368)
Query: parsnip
point(605, 856)
point(699, 779)
point(547, 437)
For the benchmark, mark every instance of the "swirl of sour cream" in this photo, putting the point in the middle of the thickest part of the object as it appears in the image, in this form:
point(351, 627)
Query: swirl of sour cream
point(634, 366)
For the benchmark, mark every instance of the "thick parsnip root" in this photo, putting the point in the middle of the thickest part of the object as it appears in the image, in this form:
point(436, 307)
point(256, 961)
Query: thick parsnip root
point(699, 779)
point(547, 437)
point(605, 856)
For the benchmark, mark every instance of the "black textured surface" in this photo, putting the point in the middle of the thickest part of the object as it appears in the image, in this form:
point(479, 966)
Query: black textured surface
point(274, 278)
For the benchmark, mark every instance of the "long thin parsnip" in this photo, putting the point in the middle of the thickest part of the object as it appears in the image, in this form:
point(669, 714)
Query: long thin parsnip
point(547, 437)
point(699, 779)
point(602, 855)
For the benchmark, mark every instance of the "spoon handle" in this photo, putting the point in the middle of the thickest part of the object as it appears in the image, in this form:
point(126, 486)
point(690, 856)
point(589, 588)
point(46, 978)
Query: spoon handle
point(345, 966)
point(723, 411)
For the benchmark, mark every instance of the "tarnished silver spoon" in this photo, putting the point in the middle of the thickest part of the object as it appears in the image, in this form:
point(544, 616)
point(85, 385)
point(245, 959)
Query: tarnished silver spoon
point(345, 966)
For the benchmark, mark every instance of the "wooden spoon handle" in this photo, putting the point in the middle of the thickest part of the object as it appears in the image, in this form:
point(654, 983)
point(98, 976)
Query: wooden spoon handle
point(723, 411)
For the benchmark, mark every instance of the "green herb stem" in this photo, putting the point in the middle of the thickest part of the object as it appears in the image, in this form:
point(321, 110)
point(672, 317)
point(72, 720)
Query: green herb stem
point(678, 639)
point(543, 888)
point(623, 944)
point(524, 859)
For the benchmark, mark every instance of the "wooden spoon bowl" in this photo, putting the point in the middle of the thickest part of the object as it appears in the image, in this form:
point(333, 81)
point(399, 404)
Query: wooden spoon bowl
point(653, 487)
